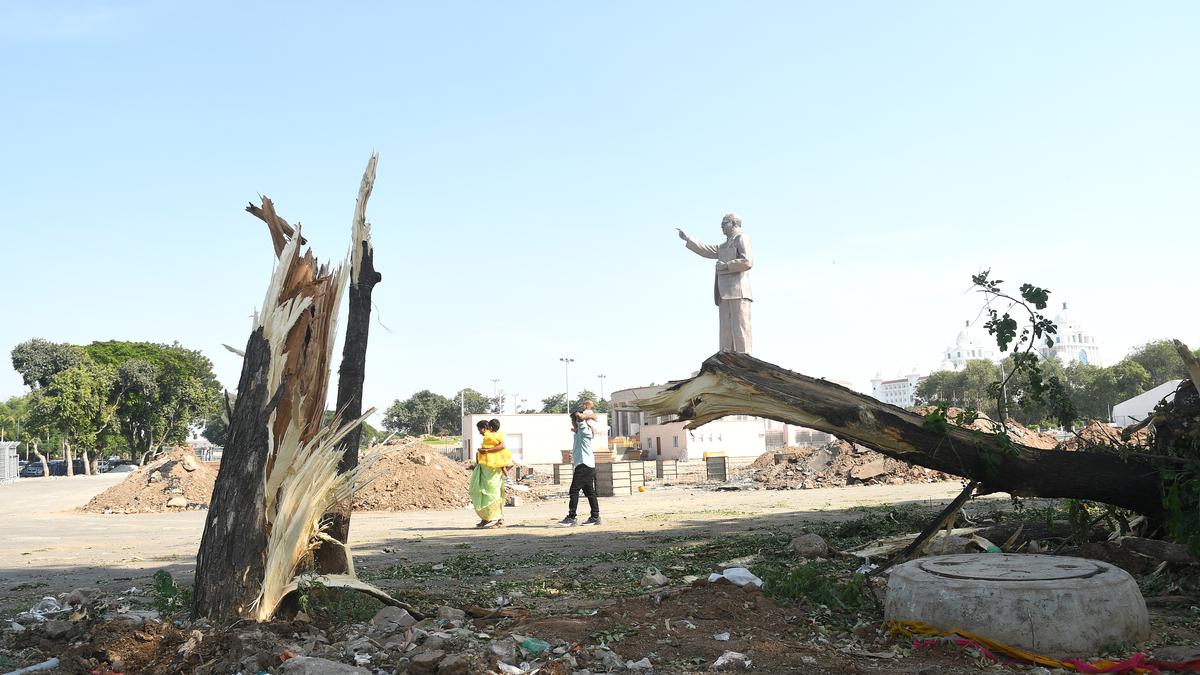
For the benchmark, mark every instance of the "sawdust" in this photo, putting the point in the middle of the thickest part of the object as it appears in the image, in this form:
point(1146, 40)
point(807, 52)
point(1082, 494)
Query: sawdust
point(412, 477)
point(174, 482)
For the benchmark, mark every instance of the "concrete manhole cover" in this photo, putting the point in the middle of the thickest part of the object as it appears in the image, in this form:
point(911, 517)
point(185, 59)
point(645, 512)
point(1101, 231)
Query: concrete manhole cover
point(1009, 567)
point(1055, 605)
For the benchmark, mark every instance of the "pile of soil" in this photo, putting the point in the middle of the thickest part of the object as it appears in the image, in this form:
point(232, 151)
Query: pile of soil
point(414, 476)
point(834, 465)
point(174, 482)
point(1097, 435)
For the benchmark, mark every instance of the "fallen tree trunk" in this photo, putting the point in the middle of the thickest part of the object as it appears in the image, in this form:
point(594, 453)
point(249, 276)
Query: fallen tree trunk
point(731, 383)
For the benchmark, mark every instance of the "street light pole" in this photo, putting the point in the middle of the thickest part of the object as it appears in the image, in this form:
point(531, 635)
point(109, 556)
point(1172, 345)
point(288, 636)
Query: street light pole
point(495, 400)
point(602, 376)
point(567, 361)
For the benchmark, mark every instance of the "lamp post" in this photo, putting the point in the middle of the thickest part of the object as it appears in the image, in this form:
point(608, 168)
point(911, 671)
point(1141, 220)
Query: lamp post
point(601, 376)
point(567, 361)
point(495, 399)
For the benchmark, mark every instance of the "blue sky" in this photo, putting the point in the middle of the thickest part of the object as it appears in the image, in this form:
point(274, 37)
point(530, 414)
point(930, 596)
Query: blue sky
point(535, 158)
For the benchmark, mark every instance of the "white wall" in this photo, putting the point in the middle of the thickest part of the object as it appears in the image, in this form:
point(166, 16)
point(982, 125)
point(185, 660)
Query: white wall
point(533, 439)
point(734, 437)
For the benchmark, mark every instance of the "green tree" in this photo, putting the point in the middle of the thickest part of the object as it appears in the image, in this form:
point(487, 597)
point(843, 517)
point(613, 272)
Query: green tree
point(14, 419)
point(39, 360)
point(966, 388)
point(216, 428)
point(1096, 390)
point(556, 403)
point(584, 395)
point(418, 414)
point(1160, 360)
point(77, 403)
point(161, 391)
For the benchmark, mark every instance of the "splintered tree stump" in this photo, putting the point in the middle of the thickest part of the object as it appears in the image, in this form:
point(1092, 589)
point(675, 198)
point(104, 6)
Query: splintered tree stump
point(229, 566)
point(731, 383)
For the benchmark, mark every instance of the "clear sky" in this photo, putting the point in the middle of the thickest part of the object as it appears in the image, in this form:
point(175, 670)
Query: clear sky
point(536, 157)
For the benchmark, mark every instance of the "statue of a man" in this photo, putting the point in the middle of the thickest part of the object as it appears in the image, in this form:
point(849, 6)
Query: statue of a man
point(731, 290)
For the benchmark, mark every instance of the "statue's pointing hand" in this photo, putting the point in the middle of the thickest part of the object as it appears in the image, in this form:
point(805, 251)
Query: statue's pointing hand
point(682, 234)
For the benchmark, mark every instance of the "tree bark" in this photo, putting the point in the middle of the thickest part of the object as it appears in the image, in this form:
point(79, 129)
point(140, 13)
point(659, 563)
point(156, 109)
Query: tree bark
point(229, 565)
point(738, 384)
point(330, 558)
point(70, 460)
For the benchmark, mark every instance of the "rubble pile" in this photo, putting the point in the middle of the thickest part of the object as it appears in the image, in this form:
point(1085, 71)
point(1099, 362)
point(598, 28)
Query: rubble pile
point(1018, 432)
point(1097, 435)
point(176, 481)
point(414, 476)
point(834, 465)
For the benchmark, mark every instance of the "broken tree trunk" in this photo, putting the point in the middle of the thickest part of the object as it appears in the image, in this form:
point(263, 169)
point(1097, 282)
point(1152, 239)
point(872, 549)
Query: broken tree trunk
point(330, 557)
point(280, 471)
point(731, 383)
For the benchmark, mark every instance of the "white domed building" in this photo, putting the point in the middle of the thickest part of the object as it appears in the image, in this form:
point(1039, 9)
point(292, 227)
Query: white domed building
point(973, 343)
point(1072, 343)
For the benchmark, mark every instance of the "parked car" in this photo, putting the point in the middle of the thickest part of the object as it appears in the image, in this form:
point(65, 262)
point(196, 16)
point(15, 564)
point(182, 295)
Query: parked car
point(58, 467)
point(32, 470)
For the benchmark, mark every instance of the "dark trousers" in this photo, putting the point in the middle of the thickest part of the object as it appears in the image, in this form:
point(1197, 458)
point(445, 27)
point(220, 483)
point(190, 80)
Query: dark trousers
point(584, 479)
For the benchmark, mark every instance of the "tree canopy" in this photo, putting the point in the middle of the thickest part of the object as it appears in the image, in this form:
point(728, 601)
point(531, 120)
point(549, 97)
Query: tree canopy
point(141, 394)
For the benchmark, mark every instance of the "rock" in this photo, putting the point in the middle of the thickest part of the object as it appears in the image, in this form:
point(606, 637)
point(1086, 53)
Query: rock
point(135, 617)
point(57, 629)
point(505, 651)
point(426, 663)
point(188, 463)
point(608, 659)
point(732, 661)
point(311, 665)
point(947, 545)
point(391, 619)
point(451, 614)
point(81, 596)
point(644, 664)
point(455, 664)
point(360, 646)
point(809, 545)
point(512, 500)
point(931, 670)
point(177, 502)
point(869, 470)
point(434, 642)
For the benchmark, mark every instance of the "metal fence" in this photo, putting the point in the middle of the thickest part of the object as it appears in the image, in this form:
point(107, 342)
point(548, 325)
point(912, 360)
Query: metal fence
point(10, 462)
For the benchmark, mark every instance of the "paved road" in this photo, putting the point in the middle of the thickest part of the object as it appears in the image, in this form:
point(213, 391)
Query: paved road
point(50, 547)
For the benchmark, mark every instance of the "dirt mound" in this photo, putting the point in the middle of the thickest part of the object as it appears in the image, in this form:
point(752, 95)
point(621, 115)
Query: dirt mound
point(415, 476)
point(1099, 436)
point(833, 465)
point(1018, 432)
point(174, 482)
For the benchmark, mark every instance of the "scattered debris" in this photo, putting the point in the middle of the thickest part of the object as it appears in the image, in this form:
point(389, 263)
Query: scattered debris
point(732, 661)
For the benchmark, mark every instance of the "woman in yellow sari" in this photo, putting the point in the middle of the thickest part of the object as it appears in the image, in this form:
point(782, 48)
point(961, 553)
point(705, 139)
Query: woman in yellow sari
point(487, 480)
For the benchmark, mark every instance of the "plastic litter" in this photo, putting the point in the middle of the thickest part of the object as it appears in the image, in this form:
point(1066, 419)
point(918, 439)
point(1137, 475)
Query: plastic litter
point(534, 646)
point(739, 576)
point(45, 608)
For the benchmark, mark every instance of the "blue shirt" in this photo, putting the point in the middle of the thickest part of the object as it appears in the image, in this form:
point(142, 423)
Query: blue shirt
point(581, 450)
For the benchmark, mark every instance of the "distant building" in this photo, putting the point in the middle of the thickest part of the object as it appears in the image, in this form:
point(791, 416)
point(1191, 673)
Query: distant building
point(1072, 343)
point(1139, 407)
point(972, 343)
point(900, 391)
